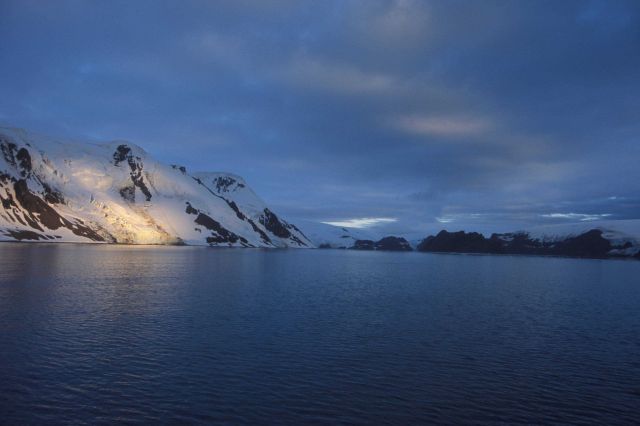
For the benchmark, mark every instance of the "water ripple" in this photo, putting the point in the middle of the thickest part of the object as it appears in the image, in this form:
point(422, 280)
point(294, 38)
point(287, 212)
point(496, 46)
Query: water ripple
point(194, 336)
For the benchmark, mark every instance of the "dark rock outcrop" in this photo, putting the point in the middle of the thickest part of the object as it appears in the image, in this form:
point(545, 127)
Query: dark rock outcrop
point(38, 214)
point(122, 153)
point(273, 224)
point(225, 184)
point(461, 241)
point(24, 161)
point(26, 235)
point(182, 169)
point(8, 150)
point(393, 244)
point(51, 195)
point(590, 244)
point(516, 243)
point(219, 234)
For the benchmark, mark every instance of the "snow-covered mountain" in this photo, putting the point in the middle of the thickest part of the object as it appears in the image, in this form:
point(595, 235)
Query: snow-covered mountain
point(116, 192)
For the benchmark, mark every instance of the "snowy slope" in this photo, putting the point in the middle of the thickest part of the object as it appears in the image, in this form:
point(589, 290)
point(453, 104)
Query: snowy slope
point(116, 192)
point(322, 234)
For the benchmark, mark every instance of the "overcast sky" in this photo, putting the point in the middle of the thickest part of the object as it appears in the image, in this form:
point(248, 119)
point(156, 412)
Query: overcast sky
point(427, 115)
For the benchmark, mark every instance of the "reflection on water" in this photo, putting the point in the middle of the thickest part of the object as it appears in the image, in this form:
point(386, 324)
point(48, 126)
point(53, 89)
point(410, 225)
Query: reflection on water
point(186, 334)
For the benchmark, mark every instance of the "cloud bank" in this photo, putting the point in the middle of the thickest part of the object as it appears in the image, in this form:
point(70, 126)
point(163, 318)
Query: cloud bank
point(477, 115)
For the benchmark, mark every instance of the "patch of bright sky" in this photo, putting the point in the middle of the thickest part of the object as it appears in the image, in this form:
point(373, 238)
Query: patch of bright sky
point(576, 216)
point(364, 222)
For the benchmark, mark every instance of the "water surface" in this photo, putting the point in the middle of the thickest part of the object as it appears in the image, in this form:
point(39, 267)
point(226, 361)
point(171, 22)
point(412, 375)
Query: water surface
point(92, 334)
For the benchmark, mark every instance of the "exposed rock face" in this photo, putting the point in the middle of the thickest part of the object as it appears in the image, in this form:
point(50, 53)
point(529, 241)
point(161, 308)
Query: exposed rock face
point(273, 224)
point(385, 244)
point(219, 234)
point(29, 235)
point(123, 152)
point(393, 244)
point(116, 192)
point(590, 244)
point(461, 241)
point(227, 184)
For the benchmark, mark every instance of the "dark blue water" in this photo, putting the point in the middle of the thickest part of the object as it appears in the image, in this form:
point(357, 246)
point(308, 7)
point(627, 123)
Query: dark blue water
point(92, 334)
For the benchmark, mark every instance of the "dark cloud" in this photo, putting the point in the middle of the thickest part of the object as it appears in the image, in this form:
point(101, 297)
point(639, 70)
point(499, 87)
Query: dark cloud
point(458, 113)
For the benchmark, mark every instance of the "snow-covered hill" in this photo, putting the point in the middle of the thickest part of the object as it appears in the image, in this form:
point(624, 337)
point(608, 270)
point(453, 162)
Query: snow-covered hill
point(116, 192)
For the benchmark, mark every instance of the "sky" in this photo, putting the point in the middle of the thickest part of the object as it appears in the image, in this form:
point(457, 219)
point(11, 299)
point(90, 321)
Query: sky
point(404, 117)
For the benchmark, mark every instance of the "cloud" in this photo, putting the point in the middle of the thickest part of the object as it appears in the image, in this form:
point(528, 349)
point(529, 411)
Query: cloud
point(576, 216)
point(446, 219)
point(399, 23)
point(442, 126)
point(217, 48)
point(319, 104)
point(341, 78)
point(457, 217)
point(364, 222)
